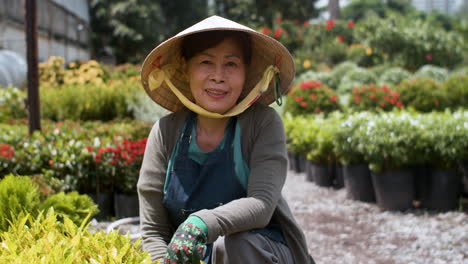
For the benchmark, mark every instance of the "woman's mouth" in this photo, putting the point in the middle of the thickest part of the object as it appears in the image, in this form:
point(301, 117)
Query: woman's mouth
point(215, 93)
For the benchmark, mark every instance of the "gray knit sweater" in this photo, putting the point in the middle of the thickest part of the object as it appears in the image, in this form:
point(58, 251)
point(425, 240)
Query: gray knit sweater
point(264, 149)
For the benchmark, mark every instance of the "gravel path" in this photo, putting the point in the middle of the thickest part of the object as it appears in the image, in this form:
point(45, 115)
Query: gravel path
point(339, 230)
point(342, 231)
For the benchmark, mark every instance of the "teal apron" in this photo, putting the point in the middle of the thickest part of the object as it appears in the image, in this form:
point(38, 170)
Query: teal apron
point(193, 186)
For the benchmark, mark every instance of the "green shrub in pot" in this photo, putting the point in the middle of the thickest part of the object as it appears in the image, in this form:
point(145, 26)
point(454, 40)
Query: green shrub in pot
point(323, 150)
point(392, 141)
point(455, 89)
point(347, 147)
point(421, 94)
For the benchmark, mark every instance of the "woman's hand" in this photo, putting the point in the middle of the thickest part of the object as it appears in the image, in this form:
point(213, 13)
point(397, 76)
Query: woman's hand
point(188, 245)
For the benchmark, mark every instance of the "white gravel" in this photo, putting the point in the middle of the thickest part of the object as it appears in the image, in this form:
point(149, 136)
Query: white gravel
point(339, 230)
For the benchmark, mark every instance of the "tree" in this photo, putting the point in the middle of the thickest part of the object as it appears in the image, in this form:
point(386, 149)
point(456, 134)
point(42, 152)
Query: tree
point(131, 28)
point(334, 9)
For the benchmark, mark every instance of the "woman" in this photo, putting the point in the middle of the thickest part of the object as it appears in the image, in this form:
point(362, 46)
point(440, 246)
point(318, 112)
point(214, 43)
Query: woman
point(211, 179)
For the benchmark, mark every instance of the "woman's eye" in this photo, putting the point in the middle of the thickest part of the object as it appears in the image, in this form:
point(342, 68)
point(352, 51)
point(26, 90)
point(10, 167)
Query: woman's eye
point(206, 62)
point(231, 64)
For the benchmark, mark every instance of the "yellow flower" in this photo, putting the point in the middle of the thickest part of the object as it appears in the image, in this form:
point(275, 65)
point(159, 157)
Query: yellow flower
point(306, 64)
point(368, 51)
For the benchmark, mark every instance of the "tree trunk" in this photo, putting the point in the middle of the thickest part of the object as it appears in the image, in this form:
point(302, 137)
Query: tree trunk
point(334, 9)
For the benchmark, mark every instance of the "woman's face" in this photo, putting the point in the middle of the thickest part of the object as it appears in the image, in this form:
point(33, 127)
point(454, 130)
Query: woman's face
point(217, 76)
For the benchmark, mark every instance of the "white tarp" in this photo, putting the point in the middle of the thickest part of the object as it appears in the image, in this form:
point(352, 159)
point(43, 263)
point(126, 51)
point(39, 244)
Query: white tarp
point(13, 69)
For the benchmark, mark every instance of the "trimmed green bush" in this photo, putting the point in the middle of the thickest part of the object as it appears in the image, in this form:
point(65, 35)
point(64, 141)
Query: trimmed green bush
point(75, 206)
point(421, 94)
point(18, 194)
point(394, 76)
point(455, 89)
point(355, 77)
point(435, 73)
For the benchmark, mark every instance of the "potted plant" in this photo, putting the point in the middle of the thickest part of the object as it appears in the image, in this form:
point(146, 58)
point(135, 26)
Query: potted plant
point(127, 158)
point(449, 139)
point(389, 142)
point(298, 130)
point(355, 169)
point(322, 166)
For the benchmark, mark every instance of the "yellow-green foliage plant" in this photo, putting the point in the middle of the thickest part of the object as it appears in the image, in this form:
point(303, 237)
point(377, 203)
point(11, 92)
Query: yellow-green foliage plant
point(73, 205)
point(17, 195)
point(46, 240)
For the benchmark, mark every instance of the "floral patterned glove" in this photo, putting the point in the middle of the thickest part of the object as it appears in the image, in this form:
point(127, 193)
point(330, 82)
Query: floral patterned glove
point(188, 245)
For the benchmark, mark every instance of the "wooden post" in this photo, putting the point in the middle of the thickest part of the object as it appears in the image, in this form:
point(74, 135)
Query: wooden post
point(30, 18)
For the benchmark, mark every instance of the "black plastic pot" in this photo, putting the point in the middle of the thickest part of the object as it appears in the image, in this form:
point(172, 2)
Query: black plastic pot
point(291, 161)
point(394, 190)
point(358, 183)
point(309, 171)
point(444, 190)
point(422, 181)
point(300, 163)
point(105, 203)
point(126, 205)
point(323, 175)
point(338, 182)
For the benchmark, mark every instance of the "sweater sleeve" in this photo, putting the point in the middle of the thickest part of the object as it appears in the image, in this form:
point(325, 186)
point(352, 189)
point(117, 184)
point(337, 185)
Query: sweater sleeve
point(268, 168)
point(155, 225)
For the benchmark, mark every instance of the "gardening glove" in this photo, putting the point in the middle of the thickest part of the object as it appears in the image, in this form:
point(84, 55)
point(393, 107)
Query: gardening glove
point(188, 245)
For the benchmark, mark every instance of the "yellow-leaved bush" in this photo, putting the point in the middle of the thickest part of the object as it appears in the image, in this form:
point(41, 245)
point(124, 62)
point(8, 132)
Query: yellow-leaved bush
point(46, 240)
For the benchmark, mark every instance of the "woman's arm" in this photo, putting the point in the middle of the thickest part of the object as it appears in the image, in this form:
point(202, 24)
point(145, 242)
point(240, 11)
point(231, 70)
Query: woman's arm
point(268, 168)
point(155, 226)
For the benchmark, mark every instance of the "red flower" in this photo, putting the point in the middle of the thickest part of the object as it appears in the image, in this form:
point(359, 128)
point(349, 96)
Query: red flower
point(279, 20)
point(278, 32)
point(265, 31)
point(385, 89)
point(330, 24)
point(429, 57)
point(317, 110)
point(313, 97)
point(7, 151)
point(350, 24)
point(310, 84)
point(333, 98)
point(304, 104)
point(299, 98)
point(372, 96)
point(357, 99)
point(399, 105)
point(355, 90)
point(340, 38)
point(305, 24)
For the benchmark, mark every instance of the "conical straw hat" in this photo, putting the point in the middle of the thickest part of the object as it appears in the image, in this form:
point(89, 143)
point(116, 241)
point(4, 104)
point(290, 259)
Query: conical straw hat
point(266, 52)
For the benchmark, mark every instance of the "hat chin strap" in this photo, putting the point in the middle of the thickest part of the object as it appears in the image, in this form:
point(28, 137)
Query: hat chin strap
point(159, 75)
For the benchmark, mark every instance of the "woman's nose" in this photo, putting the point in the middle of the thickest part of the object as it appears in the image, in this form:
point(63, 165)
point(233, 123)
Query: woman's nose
point(218, 74)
